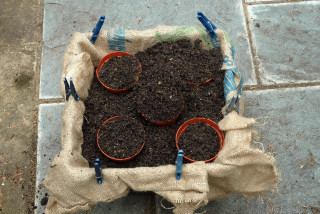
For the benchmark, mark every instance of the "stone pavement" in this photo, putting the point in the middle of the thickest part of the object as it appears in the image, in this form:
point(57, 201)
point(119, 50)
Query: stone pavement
point(276, 45)
point(20, 51)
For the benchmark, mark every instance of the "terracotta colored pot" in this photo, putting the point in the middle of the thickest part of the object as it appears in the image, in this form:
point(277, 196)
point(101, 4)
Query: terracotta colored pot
point(105, 60)
point(118, 159)
point(212, 124)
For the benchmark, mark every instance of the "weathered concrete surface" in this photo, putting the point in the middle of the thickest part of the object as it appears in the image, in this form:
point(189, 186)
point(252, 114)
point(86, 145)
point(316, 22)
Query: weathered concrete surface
point(258, 1)
point(17, 142)
point(285, 37)
point(20, 23)
point(20, 46)
point(292, 134)
point(134, 203)
point(49, 145)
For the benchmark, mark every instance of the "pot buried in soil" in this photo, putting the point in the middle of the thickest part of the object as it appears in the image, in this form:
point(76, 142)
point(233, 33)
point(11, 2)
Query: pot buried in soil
point(118, 71)
point(160, 106)
point(210, 141)
point(121, 138)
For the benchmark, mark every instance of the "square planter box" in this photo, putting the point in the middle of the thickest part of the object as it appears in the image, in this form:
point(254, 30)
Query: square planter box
point(239, 168)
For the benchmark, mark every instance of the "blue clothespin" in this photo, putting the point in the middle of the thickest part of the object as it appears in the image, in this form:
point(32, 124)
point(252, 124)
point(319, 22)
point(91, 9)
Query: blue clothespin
point(207, 24)
point(234, 104)
point(97, 29)
point(70, 89)
point(179, 164)
point(97, 167)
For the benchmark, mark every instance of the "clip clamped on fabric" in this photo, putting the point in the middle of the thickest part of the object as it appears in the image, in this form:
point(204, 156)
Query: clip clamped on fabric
point(233, 105)
point(70, 89)
point(207, 24)
point(97, 29)
point(97, 167)
point(179, 164)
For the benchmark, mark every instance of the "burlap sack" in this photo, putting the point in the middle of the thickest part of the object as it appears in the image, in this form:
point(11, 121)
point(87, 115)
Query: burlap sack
point(240, 168)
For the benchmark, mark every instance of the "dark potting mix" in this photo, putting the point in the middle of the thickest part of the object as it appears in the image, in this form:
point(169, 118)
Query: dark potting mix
point(120, 72)
point(166, 88)
point(115, 134)
point(194, 142)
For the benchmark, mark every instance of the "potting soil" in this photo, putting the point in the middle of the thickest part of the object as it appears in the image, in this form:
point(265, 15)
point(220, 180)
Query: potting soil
point(121, 137)
point(168, 101)
point(120, 72)
point(164, 65)
point(199, 139)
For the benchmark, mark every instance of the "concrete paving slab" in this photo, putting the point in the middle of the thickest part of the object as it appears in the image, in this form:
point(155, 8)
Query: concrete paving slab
point(163, 206)
point(250, 1)
point(134, 203)
point(292, 134)
point(285, 36)
point(51, 70)
point(16, 28)
point(62, 18)
point(17, 138)
point(49, 145)
point(235, 204)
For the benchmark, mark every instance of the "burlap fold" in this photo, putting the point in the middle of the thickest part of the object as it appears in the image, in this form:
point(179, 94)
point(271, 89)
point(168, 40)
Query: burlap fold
point(239, 168)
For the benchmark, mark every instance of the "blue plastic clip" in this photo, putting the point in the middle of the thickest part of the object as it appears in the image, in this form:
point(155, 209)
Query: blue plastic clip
point(97, 167)
point(179, 164)
point(97, 29)
point(70, 89)
point(234, 104)
point(207, 24)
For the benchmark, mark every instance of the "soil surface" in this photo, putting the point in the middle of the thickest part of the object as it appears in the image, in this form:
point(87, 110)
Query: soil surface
point(120, 72)
point(159, 103)
point(199, 101)
point(175, 63)
point(199, 142)
point(121, 137)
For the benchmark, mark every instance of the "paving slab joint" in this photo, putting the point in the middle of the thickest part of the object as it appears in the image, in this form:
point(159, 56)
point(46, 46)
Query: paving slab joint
point(274, 2)
point(280, 86)
point(252, 48)
point(53, 100)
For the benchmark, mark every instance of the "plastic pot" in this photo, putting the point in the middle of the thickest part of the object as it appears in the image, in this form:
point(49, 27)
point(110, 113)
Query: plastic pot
point(105, 60)
point(164, 123)
point(120, 159)
point(212, 124)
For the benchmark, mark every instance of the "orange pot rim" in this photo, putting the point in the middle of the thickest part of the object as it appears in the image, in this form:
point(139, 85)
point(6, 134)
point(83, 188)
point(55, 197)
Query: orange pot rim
point(121, 159)
point(209, 122)
point(167, 122)
point(106, 59)
point(200, 83)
